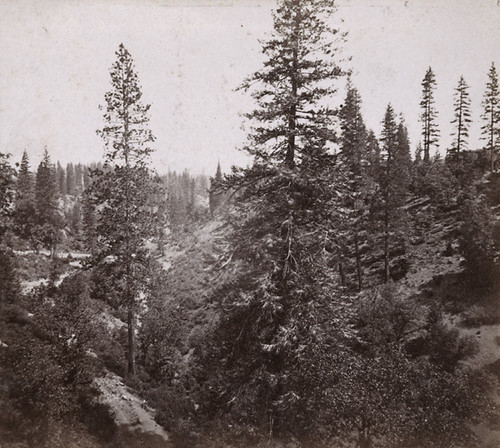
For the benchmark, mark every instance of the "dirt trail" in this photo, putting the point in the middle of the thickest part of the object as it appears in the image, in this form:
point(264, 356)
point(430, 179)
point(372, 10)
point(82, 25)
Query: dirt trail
point(488, 339)
point(128, 409)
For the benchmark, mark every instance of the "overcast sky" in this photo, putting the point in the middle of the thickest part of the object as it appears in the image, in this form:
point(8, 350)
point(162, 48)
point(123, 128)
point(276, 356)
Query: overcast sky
point(190, 56)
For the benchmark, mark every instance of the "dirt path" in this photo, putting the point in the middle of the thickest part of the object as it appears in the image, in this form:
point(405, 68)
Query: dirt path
point(128, 409)
point(488, 338)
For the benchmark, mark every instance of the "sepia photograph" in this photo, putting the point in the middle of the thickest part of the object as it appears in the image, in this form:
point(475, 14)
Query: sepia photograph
point(249, 224)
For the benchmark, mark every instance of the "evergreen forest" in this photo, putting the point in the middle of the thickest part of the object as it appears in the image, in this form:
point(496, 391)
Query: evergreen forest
point(342, 290)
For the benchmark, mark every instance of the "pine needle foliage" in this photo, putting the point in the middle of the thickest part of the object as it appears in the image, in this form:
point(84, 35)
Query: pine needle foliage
point(272, 314)
point(491, 116)
point(430, 131)
point(122, 192)
point(462, 120)
point(7, 191)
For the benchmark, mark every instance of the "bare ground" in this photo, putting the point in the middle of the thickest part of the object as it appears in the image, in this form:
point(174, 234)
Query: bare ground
point(129, 410)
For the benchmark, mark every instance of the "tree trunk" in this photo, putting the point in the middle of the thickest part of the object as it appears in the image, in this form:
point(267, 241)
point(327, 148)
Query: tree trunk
point(131, 342)
point(427, 136)
point(292, 118)
point(386, 245)
point(492, 141)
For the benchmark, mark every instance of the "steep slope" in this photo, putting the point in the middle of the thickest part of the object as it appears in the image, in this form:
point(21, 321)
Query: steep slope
point(198, 263)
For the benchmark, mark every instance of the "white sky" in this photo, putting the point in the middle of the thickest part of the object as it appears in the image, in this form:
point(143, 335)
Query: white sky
point(55, 57)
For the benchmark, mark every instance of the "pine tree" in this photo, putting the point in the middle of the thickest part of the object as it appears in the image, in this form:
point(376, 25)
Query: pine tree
point(281, 228)
point(428, 116)
point(48, 218)
point(373, 155)
point(214, 198)
point(418, 154)
point(24, 186)
point(192, 198)
point(354, 133)
point(355, 161)
point(462, 120)
point(491, 116)
point(75, 219)
point(7, 189)
point(403, 161)
point(86, 176)
point(122, 192)
point(218, 173)
point(476, 240)
point(78, 178)
point(394, 183)
point(70, 179)
point(401, 187)
point(61, 179)
point(24, 207)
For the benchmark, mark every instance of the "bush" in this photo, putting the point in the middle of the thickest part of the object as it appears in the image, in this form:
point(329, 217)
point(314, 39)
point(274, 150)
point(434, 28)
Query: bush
point(476, 241)
point(384, 317)
point(49, 370)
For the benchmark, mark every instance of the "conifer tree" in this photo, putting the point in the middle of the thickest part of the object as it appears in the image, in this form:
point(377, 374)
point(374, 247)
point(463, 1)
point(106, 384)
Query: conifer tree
point(373, 155)
point(78, 178)
point(48, 218)
point(192, 198)
point(355, 161)
point(24, 186)
point(476, 240)
point(70, 179)
point(86, 176)
point(61, 179)
point(389, 143)
point(491, 116)
point(282, 218)
point(7, 190)
point(214, 197)
point(353, 140)
point(461, 121)
point(122, 192)
point(394, 182)
point(24, 207)
point(418, 154)
point(403, 161)
point(401, 186)
point(428, 116)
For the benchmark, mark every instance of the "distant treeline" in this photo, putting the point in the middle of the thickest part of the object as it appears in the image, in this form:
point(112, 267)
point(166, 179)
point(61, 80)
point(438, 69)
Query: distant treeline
point(49, 209)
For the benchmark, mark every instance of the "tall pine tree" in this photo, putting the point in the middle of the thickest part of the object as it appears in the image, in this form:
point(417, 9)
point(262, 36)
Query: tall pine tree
point(355, 162)
point(215, 196)
point(354, 133)
point(281, 227)
point(61, 179)
point(394, 182)
point(462, 120)
point(121, 193)
point(7, 192)
point(491, 116)
point(48, 218)
point(70, 179)
point(24, 207)
point(428, 116)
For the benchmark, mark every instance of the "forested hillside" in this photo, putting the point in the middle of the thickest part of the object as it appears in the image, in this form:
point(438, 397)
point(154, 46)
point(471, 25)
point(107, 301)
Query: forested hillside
point(342, 290)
